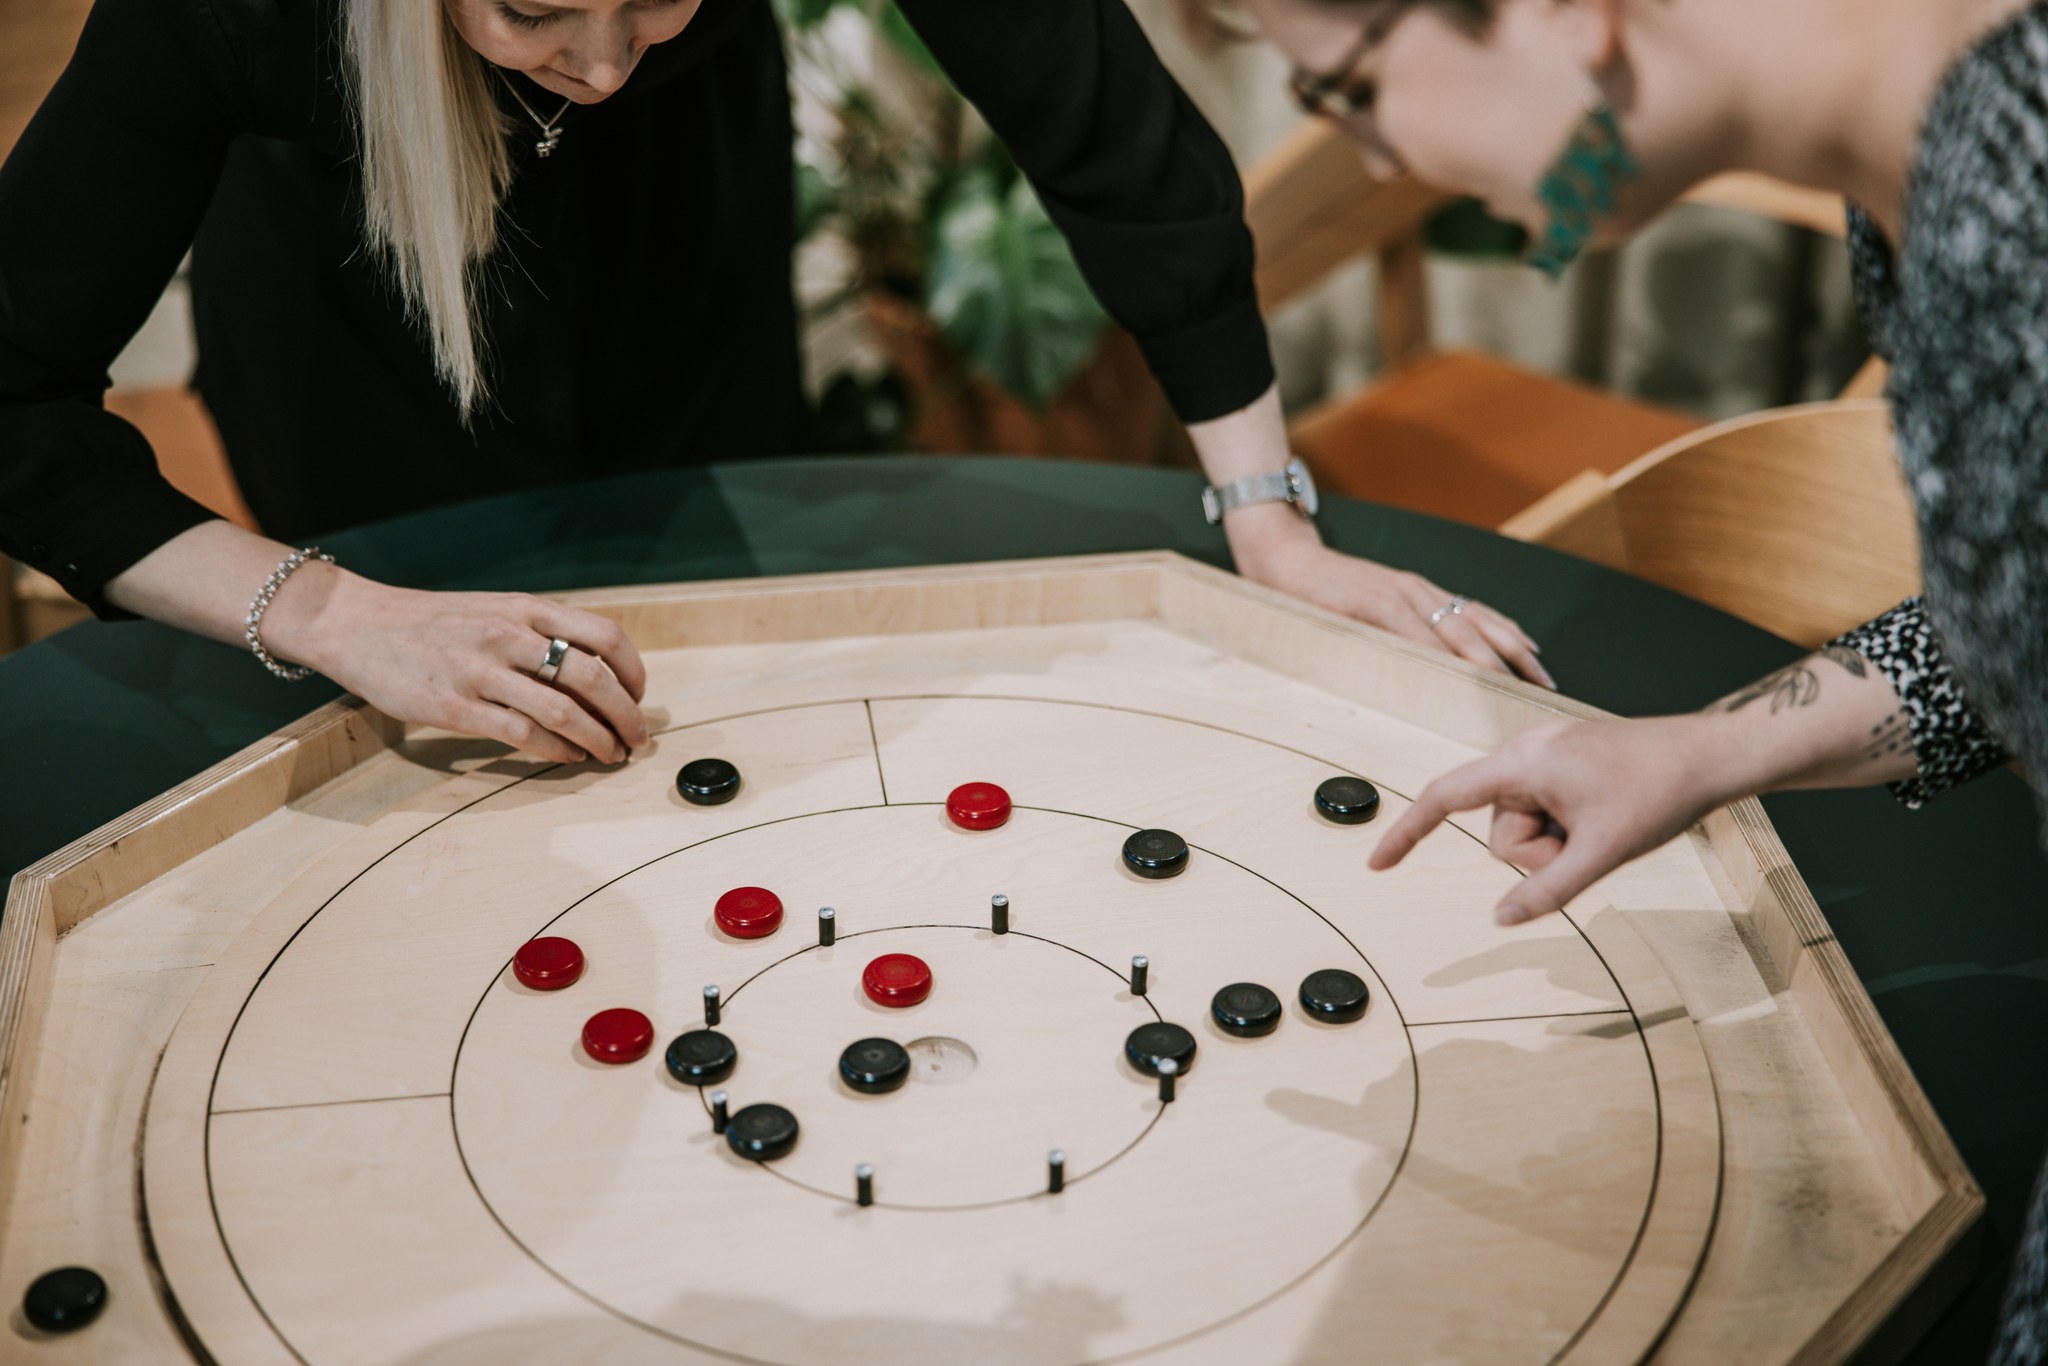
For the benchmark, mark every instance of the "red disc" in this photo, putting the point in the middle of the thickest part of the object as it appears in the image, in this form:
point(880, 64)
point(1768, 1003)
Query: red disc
point(618, 1035)
point(896, 979)
point(547, 964)
point(978, 806)
point(748, 912)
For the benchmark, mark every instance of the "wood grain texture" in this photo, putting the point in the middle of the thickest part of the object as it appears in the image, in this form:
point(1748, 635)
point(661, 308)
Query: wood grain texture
point(1796, 519)
point(1621, 1113)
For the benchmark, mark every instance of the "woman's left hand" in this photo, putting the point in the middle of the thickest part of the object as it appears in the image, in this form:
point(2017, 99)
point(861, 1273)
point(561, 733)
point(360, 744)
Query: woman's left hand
point(1393, 599)
point(1573, 802)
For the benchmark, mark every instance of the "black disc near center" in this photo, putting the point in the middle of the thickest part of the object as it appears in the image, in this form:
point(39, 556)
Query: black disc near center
point(1335, 995)
point(1155, 853)
point(1246, 1009)
point(707, 782)
point(761, 1133)
point(701, 1057)
point(1149, 1043)
point(64, 1300)
point(1348, 800)
point(872, 1066)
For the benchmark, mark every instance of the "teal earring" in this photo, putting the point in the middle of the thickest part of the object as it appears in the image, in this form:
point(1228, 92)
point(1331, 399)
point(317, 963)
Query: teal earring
point(1579, 188)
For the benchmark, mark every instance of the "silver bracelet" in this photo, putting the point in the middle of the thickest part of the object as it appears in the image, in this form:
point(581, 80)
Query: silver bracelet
point(291, 673)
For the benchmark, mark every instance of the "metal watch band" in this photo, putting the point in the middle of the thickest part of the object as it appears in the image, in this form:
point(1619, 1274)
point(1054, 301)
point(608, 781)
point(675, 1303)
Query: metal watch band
point(1292, 485)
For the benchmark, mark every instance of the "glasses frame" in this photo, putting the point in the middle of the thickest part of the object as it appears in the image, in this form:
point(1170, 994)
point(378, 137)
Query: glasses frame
point(1324, 94)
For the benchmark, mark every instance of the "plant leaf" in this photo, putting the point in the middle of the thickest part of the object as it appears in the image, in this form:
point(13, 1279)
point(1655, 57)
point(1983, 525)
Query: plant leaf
point(1005, 289)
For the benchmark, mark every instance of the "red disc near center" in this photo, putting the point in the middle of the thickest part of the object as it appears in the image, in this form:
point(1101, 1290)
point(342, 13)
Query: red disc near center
point(748, 912)
point(978, 806)
point(621, 1034)
point(548, 964)
point(896, 979)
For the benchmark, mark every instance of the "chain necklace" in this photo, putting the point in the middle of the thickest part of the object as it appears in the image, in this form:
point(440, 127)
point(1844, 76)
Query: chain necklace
point(550, 129)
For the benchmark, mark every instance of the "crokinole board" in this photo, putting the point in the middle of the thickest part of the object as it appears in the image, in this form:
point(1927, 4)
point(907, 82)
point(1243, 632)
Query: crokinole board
point(267, 1070)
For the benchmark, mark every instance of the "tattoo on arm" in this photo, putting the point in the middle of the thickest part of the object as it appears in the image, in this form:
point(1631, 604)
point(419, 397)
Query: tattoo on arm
point(1889, 736)
point(1795, 685)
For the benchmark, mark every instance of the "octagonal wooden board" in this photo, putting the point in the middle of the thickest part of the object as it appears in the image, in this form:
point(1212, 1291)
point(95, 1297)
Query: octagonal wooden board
point(274, 1079)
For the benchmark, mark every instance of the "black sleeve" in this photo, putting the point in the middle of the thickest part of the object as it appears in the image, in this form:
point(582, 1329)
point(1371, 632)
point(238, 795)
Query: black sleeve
point(1130, 171)
point(98, 203)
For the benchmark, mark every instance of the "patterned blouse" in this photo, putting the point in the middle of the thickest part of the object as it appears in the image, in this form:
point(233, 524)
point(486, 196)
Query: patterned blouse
point(1962, 315)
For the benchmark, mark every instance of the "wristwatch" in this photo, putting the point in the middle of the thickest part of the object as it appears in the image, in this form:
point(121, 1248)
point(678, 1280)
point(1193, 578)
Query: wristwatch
point(1291, 485)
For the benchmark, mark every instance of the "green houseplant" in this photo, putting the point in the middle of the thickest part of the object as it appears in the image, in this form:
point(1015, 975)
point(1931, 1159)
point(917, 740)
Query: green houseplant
point(991, 339)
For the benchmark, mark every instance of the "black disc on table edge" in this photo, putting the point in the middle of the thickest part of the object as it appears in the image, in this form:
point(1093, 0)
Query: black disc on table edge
point(1148, 1043)
point(872, 1066)
point(701, 1057)
point(1246, 1009)
point(1348, 800)
point(761, 1133)
point(1155, 853)
point(707, 782)
point(1334, 994)
point(64, 1300)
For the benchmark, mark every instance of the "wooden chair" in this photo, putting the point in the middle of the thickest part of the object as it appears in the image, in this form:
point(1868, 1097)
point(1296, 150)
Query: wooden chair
point(1796, 519)
point(1453, 433)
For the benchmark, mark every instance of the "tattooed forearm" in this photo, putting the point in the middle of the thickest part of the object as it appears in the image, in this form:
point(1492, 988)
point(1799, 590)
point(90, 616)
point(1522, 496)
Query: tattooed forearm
point(1795, 685)
point(1888, 736)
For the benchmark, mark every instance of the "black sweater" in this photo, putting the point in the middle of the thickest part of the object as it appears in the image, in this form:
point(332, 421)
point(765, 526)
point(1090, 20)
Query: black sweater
point(639, 309)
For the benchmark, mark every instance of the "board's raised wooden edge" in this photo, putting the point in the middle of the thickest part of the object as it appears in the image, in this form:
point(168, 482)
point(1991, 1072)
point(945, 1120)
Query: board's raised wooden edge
point(55, 894)
point(1910, 1287)
point(28, 941)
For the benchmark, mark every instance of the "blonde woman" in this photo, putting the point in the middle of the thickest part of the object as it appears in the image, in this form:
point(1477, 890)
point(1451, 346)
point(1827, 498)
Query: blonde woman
point(444, 247)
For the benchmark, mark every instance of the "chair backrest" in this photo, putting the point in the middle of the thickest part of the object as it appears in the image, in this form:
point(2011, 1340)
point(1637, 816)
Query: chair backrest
point(1312, 207)
point(1796, 519)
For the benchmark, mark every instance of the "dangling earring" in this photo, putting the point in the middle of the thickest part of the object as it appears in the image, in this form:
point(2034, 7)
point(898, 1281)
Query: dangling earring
point(1579, 187)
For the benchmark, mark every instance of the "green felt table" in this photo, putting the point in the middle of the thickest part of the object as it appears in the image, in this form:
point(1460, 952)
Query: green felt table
point(1943, 911)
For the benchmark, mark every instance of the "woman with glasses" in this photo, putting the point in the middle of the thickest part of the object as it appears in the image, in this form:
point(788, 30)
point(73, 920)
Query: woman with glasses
point(1581, 119)
point(446, 247)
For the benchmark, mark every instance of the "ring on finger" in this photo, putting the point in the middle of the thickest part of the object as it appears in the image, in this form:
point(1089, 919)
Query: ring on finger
point(558, 650)
point(1455, 607)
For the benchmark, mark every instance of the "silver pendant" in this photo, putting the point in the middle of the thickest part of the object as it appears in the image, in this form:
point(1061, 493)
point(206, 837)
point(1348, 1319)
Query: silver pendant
point(546, 145)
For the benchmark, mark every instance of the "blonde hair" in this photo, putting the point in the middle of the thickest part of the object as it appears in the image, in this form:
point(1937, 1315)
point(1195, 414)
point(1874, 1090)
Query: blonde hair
point(435, 166)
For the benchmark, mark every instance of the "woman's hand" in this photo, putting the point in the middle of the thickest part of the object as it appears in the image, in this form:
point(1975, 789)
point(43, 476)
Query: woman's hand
point(1573, 802)
point(1295, 561)
point(467, 662)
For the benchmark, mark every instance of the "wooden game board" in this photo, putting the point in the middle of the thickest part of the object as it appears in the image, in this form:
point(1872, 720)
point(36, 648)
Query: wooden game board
point(266, 1069)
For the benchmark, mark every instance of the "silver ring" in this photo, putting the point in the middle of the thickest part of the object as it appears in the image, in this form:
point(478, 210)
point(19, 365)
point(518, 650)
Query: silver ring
point(1454, 607)
point(558, 650)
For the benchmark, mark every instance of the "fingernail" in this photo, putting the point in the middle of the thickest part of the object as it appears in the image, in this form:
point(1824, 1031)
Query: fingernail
point(580, 756)
point(1510, 915)
point(1548, 681)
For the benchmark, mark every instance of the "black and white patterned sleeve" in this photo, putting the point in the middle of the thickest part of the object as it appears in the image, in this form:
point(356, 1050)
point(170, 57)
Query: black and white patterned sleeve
point(1950, 739)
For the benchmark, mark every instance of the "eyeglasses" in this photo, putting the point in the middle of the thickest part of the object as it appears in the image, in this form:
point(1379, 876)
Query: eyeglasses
point(1332, 94)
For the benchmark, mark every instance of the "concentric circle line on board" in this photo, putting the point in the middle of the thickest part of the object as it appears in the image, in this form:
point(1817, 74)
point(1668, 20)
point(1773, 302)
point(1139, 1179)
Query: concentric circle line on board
point(867, 702)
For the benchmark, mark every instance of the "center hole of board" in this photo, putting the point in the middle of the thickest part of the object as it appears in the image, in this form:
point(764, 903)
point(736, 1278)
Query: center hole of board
point(940, 1060)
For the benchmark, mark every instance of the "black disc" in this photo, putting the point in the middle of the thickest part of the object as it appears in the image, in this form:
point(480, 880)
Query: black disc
point(1149, 1043)
point(707, 782)
point(1334, 994)
point(64, 1300)
point(1347, 800)
point(1155, 853)
point(872, 1066)
point(761, 1132)
point(701, 1057)
point(1246, 1009)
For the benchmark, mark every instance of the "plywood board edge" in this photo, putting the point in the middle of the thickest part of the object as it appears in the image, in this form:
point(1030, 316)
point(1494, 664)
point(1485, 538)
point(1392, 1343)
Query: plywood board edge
point(1905, 1132)
point(1906, 1292)
point(99, 868)
point(28, 940)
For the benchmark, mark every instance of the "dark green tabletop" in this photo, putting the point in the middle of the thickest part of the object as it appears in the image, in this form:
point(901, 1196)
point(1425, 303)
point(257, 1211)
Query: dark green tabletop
point(1944, 911)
